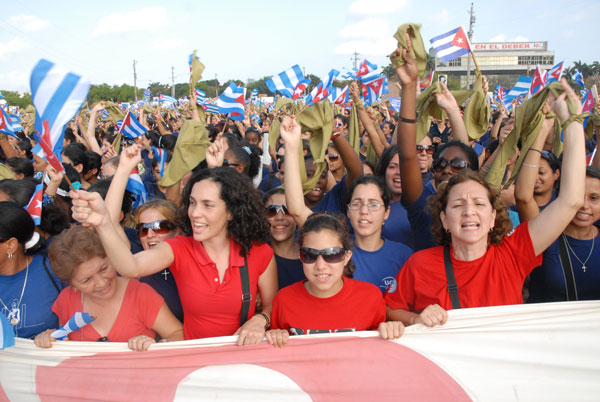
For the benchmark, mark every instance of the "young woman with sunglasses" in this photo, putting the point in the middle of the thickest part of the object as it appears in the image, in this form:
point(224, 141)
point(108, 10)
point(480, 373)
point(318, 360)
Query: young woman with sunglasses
point(283, 241)
point(336, 165)
point(225, 222)
point(425, 150)
point(489, 261)
point(125, 310)
point(328, 300)
point(448, 160)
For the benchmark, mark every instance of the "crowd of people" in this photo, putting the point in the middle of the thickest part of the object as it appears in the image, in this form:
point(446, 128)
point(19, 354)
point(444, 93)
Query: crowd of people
point(279, 237)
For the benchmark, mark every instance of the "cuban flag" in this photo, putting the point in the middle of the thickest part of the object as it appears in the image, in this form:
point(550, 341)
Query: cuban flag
point(232, 102)
point(166, 98)
point(395, 104)
point(499, 92)
point(285, 82)
point(452, 44)
point(5, 125)
point(34, 207)
point(555, 73)
point(15, 122)
point(490, 97)
point(588, 102)
point(75, 323)
point(300, 88)
point(57, 96)
point(135, 186)
point(321, 91)
point(538, 81)
point(350, 74)
point(521, 88)
point(210, 108)
point(147, 95)
point(161, 156)
point(44, 141)
point(374, 88)
point(256, 118)
point(365, 68)
point(131, 127)
point(200, 97)
point(589, 158)
point(578, 77)
point(343, 96)
point(254, 95)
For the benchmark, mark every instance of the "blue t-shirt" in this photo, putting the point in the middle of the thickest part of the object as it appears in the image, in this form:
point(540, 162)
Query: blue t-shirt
point(268, 182)
point(397, 228)
point(420, 219)
point(134, 240)
point(288, 271)
point(164, 284)
point(547, 282)
point(35, 310)
point(380, 267)
point(334, 200)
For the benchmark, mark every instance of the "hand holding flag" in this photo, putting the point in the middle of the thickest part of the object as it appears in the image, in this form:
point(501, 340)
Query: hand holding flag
point(75, 323)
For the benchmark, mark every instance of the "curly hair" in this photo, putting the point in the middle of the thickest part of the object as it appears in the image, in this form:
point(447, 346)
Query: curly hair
point(438, 202)
point(336, 223)
point(248, 224)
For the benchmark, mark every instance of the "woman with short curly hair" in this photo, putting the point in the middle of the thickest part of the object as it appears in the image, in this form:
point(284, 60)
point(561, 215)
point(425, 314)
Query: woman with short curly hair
point(225, 230)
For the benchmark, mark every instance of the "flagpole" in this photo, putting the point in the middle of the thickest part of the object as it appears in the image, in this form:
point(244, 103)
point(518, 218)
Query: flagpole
point(475, 61)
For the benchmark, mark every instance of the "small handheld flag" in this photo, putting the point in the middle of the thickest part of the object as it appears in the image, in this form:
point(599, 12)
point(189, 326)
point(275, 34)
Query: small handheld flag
point(452, 44)
point(555, 73)
point(232, 102)
point(131, 127)
point(365, 68)
point(285, 82)
point(75, 323)
point(588, 102)
point(34, 208)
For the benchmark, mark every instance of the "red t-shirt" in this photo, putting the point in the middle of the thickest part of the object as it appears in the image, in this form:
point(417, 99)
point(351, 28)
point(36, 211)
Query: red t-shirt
point(492, 280)
point(137, 315)
point(211, 308)
point(359, 306)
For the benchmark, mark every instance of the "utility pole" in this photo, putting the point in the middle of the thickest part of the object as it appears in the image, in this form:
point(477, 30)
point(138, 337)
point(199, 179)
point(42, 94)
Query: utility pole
point(470, 35)
point(216, 86)
point(354, 59)
point(135, 81)
point(173, 82)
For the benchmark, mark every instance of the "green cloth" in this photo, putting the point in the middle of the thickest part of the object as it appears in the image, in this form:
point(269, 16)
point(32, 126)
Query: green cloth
point(274, 133)
point(197, 69)
point(372, 155)
point(6, 173)
point(190, 150)
point(418, 48)
point(477, 113)
point(318, 120)
point(116, 144)
point(427, 106)
point(115, 113)
point(281, 102)
point(354, 130)
point(528, 122)
point(29, 121)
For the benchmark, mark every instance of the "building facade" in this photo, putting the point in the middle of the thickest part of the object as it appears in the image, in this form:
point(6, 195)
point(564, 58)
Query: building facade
point(502, 63)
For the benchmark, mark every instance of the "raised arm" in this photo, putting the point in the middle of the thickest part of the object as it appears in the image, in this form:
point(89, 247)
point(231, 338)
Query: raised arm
point(90, 133)
point(349, 157)
point(376, 142)
point(90, 210)
point(290, 133)
point(410, 173)
point(548, 225)
point(446, 101)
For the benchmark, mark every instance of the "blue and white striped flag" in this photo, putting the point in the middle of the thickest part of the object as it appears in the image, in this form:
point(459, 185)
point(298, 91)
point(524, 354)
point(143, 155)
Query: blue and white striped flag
point(210, 108)
point(521, 88)
point(131, 127)
point(57, 96)
point(5, 125)
point(166, 98)
point(256, 118)
point(232, 102)
point(15, 122)
point(75, 323)
point(285, 82)
point(135, 186)
point(161, 156)
point(147, 95)
point(7, 335)
point(200, 97)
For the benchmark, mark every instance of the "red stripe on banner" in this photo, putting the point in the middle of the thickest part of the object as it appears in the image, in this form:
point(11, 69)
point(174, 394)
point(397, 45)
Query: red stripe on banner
point(3, 396)
point(350, 369)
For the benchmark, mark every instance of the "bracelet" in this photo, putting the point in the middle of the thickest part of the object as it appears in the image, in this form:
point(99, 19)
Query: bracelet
point(527, 165)
point(405, 120)
point(335, 135)
point(536, 150)
point(575, 117)
point(268, 324)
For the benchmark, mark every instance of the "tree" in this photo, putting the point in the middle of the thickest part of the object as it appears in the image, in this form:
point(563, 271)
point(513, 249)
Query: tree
point(14, 99)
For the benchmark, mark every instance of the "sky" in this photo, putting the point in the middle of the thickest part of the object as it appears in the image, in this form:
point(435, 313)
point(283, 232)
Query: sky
point(244, 40)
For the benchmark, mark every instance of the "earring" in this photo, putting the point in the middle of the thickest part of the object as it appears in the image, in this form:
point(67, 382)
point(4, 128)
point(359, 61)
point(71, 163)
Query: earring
point(11, 256)
point(491, 230)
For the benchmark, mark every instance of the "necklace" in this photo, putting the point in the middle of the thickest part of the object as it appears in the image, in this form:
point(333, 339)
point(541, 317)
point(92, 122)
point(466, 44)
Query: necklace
point(573, 252)
point(14, 314)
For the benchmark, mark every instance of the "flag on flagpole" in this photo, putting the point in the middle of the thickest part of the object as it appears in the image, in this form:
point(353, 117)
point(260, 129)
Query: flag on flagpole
point(365, 68)
point(521, 88)
point(452, 44)
point(554, 73)
point(285, 82)
point(321, 91)
point(57, 96)
point(350, 74)
point(166, 98)
point(34, 207)
point(343, 96)
point(210, 108)
point(5, 125)
point(200, 97)
point(300, 88)
point(538, 81)
point(588, 102)
point(578, 77)
point(75, 323)
point(232, 102)
point(131, 127)
point(374, 88)
point(45, 144)
point(135, 186)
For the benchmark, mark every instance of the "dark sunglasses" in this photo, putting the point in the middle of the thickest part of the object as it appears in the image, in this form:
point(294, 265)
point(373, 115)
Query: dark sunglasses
point(333, 157)
point(227, 163)
point(331, 255)
point(273, 209)
point(158, 227)
point(457, 164)
point(427, 148)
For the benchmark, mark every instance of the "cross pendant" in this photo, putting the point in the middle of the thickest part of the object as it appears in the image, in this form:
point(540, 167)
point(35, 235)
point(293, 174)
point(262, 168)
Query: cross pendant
point(166, 273)
point(583, 267)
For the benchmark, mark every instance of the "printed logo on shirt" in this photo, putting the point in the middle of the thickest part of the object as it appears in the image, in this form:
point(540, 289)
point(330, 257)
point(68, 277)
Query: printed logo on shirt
point(389, 284)
point(300, 331)
point(511, 232)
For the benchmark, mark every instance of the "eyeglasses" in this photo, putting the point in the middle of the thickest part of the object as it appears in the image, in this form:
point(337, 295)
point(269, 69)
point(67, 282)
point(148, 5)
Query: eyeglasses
point(272, 210)
point(331, 255)
point(457, 164)
point(427, 148)
point(158, 227)
point(227, 163)
point(333, 157)
point(371, 206)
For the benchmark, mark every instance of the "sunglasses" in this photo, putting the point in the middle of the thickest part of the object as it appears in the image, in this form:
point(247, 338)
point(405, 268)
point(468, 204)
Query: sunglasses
point(457, 164)
point(227, 163)
point(333, 157)
point(272, 210)
point(158, 227)
point(331, 255)
point(427, 148)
